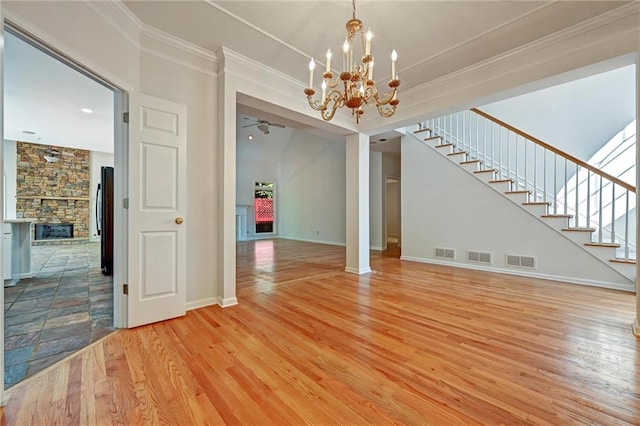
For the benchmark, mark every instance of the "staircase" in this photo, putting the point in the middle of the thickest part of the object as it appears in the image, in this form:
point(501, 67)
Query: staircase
point(585, 205)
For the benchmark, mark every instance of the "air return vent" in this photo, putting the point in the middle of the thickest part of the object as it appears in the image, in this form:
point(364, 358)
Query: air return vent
point(444, 253)
point(479, 257)
point(517, 261)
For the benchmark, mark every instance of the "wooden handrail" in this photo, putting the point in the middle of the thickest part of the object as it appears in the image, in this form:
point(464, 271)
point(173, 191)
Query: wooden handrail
point(555, 150)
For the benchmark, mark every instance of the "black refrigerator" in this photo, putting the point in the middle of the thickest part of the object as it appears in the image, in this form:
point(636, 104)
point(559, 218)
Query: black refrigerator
point(104, 219)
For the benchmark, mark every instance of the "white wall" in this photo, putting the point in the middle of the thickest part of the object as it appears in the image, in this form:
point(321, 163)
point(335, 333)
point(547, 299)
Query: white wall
point(445, 206)
point(97, 160)
point(10, 167)
point(577, 117)
point(311, 190)
point(158, 67)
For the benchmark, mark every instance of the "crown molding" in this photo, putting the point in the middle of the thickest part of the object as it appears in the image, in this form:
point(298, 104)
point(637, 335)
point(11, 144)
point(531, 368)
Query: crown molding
point(617, 29)
point(179, 43)
point(153, 41)
point(476, 37)
point(229, 57)
point(542, 43)
point(256, 28)
point(119, 17)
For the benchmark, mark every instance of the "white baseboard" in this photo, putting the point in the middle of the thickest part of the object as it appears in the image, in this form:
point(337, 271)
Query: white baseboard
point(331, 243)
point(358, 271)
point(229, 301)
point(376, 248)
point(571, 280)
point(196, 304)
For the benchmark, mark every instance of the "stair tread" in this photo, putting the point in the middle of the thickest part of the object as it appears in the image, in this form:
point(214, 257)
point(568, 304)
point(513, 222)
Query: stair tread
point(432, 138)
point(568, 216)
point(512, 192)
point(537, 203)
point(501, 181)
point(579, 229)
point(443, 145)
point(627, 261)
point(426, 129)
point(615, 245)
point(471, 161)
point(486, 171)
point(456, 153)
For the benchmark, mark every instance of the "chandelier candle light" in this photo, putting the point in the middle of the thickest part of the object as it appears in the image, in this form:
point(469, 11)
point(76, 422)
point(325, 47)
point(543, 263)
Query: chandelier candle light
point(357, 79)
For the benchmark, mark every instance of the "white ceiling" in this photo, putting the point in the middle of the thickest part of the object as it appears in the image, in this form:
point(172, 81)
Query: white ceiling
point(44, 96)
point(433, 38)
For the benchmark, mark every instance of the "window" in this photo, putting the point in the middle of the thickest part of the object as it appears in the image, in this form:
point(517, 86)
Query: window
point(264, 209)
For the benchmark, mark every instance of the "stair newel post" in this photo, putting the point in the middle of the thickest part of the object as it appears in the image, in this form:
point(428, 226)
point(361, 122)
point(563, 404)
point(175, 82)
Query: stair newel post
point(588, 198)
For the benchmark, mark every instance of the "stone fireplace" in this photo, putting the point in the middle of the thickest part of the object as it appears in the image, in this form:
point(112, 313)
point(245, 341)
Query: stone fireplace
point(54, 192)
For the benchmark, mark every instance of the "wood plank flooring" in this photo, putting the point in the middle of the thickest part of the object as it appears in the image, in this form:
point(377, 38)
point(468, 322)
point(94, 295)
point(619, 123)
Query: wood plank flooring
point(309, 343)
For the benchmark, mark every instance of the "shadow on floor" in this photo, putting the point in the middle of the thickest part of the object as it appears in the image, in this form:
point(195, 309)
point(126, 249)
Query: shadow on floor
point(67, 305)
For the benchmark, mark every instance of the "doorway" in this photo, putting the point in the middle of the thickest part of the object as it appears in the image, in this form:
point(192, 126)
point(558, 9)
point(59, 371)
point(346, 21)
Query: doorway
point(57, 118)
point(392, 209)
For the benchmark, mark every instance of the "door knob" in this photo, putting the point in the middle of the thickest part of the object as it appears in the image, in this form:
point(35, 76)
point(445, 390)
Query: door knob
point(179, 220)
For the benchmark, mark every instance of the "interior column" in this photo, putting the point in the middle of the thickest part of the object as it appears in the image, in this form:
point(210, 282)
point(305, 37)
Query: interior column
point(636, 325)
point(357, 180)
point(227, 164)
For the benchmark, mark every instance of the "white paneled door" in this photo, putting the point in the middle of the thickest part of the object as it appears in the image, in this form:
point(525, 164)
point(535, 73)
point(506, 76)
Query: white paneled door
point(157, 210)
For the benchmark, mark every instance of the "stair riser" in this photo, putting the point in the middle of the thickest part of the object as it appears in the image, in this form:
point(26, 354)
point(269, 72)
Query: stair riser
point(578, 237)
point(536, 210)
point(603, 253)
point(457, 158)
point(471, 167)
point(433, 142)
point(485, 177)
point(518, 198)
point(445, 150)
point(556, 223)
point(501, 187)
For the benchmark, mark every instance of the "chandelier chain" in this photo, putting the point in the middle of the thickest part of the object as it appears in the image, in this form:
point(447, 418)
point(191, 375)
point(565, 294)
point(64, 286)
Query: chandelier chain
point(354, 8)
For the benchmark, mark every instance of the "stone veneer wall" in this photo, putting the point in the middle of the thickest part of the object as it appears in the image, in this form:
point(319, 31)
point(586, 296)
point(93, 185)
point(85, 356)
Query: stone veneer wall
point(53, 192)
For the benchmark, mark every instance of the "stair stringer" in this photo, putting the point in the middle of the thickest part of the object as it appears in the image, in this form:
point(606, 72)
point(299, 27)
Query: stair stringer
point(606, 254)
point(606, 276)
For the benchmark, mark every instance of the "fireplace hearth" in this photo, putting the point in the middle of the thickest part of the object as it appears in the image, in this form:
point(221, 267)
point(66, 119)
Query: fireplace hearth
point(53, 231)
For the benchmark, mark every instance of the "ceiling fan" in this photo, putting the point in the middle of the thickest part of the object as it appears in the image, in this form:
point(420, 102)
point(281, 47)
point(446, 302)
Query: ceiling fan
point(263, 125)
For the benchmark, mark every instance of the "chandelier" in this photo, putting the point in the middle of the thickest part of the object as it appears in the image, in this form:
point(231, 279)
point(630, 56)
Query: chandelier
point(354, 86)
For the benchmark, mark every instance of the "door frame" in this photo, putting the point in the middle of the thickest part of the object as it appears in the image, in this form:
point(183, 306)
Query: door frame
point(384, 208)
point(120, 147)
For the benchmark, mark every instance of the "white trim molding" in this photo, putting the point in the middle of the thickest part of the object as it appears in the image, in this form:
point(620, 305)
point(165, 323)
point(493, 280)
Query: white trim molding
point(202, 303)
point(522, 273)
point(357, 271)
point(310, 240)
point(225, 303)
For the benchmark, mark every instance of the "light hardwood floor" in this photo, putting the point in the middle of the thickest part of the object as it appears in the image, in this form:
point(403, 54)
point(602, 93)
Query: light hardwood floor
point(308, 343)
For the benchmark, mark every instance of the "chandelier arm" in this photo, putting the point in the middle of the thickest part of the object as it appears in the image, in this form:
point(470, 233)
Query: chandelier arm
point(386, 112)
point(387, 97)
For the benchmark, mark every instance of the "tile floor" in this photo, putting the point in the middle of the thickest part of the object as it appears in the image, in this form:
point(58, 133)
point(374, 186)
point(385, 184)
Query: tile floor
point(64, 307)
